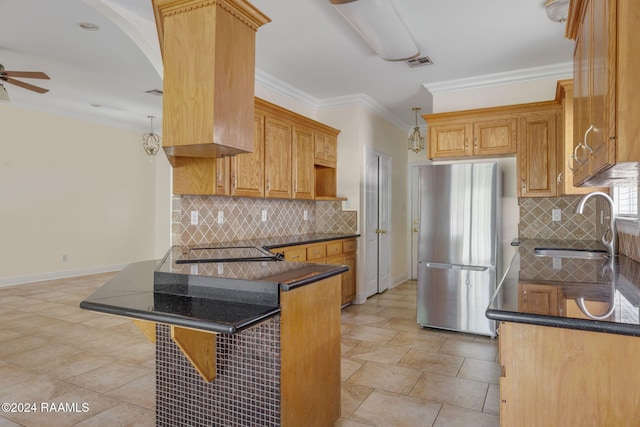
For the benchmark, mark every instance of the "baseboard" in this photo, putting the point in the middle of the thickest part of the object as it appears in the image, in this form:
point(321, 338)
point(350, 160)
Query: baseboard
point(21, 280)
point(399, 280)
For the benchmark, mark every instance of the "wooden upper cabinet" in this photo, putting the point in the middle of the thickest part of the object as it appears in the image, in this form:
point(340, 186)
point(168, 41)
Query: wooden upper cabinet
point(303, 170)
point(567, 165)
point(223, 172)
point(494, 137)
point(606, 90)
point(208, 51)
point(537, 155)
point(450, 140)
point(326, 149)
point(277, 160)
point(483, 132)
point(247, 170)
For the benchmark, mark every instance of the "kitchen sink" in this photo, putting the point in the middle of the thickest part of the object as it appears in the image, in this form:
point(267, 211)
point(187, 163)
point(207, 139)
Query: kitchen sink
point(570, 253)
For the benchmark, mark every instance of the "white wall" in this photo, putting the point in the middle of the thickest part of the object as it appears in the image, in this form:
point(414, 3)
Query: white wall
point(75, 197)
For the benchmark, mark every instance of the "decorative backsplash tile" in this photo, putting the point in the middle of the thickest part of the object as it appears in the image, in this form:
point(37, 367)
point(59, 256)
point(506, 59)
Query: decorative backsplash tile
point(535, 219)
point(629, 245)
point(243, 218)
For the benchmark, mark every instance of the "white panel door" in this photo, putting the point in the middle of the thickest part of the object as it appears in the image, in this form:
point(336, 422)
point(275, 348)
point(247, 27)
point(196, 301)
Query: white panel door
point(371, 224)
point(377, 224)
point(384, 223)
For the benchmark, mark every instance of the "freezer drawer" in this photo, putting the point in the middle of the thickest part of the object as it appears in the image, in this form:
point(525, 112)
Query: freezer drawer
point(455, 298)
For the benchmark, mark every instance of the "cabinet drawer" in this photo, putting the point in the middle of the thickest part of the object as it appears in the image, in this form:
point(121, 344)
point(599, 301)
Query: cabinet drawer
point(334, 248)
point(295, 254)
point(349, 246)
point(316, 252)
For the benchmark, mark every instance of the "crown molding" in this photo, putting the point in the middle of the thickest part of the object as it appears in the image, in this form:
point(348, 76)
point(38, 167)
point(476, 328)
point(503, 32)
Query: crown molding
point(556, 71)
point(360, 100)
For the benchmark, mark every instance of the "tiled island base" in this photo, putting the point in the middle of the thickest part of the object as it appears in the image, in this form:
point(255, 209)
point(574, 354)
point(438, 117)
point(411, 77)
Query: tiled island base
point(245, 392)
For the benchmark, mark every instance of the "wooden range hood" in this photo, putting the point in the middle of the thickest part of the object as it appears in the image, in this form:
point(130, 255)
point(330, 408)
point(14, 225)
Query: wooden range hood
point(208, 51)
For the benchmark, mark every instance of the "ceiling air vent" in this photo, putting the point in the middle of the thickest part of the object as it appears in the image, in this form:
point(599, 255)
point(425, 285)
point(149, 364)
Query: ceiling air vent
point(419, 62)
point(156, 92)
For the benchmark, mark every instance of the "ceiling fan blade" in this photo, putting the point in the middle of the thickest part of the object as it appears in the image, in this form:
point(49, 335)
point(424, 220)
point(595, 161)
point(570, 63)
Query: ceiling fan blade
point(25, 85)
point(26, 74)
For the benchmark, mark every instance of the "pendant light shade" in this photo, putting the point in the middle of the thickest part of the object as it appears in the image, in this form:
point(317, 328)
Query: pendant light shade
point(151, 140)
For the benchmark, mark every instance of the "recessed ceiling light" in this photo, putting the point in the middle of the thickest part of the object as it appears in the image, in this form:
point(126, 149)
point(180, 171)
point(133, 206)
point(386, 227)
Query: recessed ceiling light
point(88, 26)
point(156, 92)
point(96, 105)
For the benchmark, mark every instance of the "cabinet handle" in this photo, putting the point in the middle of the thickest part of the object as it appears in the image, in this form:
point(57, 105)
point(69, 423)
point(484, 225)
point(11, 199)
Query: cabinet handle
point(585, 139)
point(524, 185)
point(569, 162)
point(233, 181)
point(559, 179)
point(466, 144)
point(575, 154)
point(267, 184)
point(475, 142)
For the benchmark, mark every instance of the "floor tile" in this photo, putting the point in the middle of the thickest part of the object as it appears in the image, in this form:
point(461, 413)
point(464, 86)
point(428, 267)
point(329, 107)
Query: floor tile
point(109, 377)
point(455, 391)
point(492, 402)
point(352, 396)
point(452, 416)
point(124, 414)
point(472, 349)
point(392, 410)
point(370, 333)
point(137, 391)
point(480, 370)
point(376, 352)
point(428, 361)
point(391, 378)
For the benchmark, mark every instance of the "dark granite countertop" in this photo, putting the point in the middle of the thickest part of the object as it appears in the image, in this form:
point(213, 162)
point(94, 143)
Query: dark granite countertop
point(281, 241)
point(600, 295)
point(223, 297)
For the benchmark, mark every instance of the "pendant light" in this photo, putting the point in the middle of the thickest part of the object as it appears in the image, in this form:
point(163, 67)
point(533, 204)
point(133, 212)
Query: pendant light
point(416, 141)
point(151, 140)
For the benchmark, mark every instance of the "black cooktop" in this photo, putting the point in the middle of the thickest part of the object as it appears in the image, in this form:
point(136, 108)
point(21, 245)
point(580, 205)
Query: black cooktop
point(226, 254)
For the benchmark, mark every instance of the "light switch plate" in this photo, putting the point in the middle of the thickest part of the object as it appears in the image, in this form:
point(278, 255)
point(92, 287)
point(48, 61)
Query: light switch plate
point(220, 217)
point(264, 215)
point(194, 217)
point(556, 215)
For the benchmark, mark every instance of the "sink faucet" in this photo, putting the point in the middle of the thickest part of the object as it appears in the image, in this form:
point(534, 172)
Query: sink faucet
point(610, 242)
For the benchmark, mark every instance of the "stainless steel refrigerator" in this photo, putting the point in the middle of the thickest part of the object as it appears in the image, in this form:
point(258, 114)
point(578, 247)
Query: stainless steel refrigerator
point(458, 245)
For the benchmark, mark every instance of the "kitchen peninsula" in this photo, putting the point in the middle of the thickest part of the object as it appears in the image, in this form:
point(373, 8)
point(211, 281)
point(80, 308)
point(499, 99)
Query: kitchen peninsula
point(238, 341)
point(569, 336)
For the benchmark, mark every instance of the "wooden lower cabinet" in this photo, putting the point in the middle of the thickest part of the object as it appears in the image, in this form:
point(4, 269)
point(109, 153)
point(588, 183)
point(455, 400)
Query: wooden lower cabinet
point(567, 377)
point(333, 252)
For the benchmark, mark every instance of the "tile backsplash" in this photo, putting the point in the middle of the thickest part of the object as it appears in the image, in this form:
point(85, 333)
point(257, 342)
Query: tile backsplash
point(243, 218)
point(536, 223)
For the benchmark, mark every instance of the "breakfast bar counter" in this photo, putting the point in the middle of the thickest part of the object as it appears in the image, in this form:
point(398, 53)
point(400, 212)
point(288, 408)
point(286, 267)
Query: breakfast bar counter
point(253, 340)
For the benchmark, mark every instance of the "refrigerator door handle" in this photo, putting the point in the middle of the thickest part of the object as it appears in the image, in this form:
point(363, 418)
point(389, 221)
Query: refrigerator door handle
point(453, 266)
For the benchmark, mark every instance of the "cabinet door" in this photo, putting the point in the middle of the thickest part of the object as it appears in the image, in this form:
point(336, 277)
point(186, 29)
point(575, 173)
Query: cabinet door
point(581, 101)
point(491, 137)
point(537, 156)
point(302, 169)
point(326, 148)
point(223, 178)
point(277, 160)
point(602, 87)
point(449, 140)
point(538, 299)
point(349, 279)
point(247, 170)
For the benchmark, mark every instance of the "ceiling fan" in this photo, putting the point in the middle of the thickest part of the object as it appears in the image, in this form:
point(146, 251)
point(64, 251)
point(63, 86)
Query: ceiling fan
point(9, 77)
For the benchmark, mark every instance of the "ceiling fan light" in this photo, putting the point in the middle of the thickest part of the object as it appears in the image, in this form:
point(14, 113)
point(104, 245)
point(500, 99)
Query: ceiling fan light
point(557, 10)
point(379, 25)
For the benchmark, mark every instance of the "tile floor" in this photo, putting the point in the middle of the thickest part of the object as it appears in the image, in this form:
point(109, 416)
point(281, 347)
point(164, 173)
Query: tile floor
point(56, 355)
